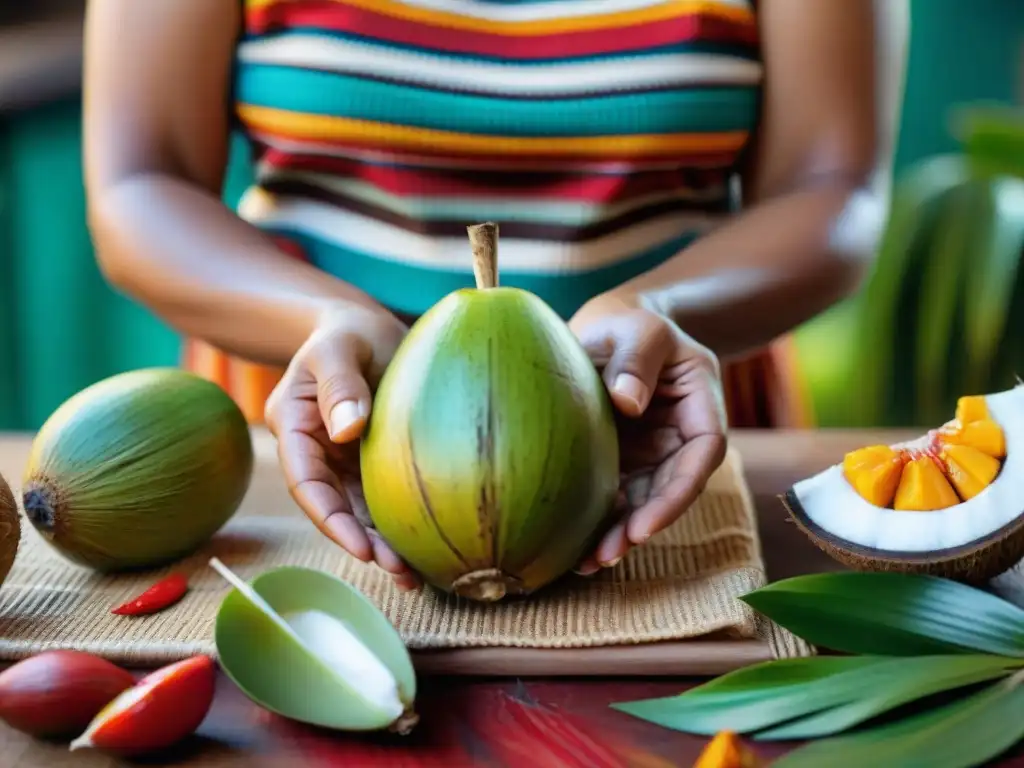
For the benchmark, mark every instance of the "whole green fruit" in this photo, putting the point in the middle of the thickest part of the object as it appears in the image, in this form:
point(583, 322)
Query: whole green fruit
point(138, 469)
point(491, 461)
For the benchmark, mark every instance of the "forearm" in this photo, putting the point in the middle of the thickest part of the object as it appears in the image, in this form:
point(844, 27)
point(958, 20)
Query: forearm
point(769, 270)
point(177, 249)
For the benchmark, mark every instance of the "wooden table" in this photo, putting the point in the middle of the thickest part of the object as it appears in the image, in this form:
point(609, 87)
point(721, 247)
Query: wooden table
point(505, 723)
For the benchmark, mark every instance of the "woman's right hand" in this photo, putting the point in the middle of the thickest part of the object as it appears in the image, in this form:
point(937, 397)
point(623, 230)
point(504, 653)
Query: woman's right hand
point(318, 411)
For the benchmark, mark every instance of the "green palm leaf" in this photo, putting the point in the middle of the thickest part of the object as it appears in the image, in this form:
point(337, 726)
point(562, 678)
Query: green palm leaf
point(892, 614)
point(952, 257)
point(962, 735)
point(991, 277)
point(911, 680)
point(885, 346)
point(800, 695)
point(993, 138)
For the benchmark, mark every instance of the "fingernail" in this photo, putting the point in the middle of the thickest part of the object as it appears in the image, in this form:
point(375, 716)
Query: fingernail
point(588, 570)
point(343, 416)
point(613, 563)
point(628, 385)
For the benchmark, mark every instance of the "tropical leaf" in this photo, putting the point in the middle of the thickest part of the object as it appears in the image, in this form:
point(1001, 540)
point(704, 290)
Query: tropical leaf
point(995, 263)
point(992, 137)
point(939, 376)
point(885, 340)
point(912, 680)
point(776, 693)
point(892, 614)
point(964, 734)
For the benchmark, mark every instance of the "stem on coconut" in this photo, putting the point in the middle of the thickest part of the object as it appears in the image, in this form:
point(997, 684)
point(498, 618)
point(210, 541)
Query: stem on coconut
point(483, 239)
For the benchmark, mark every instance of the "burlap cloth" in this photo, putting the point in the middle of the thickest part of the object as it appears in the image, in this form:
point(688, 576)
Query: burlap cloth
point(682, 585)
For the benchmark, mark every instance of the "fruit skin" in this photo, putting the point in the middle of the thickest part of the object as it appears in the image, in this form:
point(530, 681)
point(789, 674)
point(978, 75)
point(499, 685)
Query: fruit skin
point(161, 709)
point(138, 470)
point(10, 530)
point(55, 694)
point(490, 462)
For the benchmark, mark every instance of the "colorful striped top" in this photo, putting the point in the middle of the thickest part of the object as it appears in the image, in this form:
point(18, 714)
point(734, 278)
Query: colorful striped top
point(601, 135)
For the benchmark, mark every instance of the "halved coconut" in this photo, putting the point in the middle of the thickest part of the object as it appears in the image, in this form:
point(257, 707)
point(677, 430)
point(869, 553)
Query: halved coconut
point(949, 504)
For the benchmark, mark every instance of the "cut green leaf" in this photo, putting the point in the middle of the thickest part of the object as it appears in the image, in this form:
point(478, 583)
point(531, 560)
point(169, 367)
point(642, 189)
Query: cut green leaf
point(892, 614)
point(752, 698)
point(964, 734)
point(911, 680)
point(775, 693)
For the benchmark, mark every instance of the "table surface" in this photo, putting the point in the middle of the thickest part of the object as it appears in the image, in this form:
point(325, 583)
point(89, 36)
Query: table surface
point(507, 723)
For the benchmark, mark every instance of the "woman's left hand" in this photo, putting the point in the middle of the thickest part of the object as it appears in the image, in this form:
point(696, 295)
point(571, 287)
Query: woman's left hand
point(667, 392)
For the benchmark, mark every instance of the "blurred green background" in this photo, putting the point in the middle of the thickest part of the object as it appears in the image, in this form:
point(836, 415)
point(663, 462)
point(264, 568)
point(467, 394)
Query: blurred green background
point(61, 328)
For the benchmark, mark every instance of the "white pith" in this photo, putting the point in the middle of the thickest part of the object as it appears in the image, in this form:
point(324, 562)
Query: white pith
point(338, 649)
point(830, 502)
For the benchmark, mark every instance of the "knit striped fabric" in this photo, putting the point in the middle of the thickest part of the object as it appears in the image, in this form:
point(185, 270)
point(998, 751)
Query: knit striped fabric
point(600, 134)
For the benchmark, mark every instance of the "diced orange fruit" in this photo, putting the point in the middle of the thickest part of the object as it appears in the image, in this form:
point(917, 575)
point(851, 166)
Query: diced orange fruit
point(984, 435)
point(923, 487)
point(969, 470)
point(971, 408)
point(874, 472)
point(727, 751)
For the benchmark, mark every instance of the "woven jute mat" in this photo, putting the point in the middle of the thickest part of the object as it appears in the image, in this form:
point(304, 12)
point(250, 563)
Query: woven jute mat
point(670, 605)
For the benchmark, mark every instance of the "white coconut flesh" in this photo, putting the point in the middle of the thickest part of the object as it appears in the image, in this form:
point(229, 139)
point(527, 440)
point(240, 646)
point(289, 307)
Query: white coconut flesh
point(336, 646)
point(831, 503)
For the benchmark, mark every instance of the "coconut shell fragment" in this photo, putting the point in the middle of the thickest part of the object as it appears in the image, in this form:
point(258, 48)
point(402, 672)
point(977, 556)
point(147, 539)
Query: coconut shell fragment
point(948, 504)
point(10, 530)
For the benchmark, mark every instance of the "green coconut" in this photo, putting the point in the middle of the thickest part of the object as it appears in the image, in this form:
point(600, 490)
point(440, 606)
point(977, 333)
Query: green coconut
point(138, 470)
point(490, 463)
point(10, 529)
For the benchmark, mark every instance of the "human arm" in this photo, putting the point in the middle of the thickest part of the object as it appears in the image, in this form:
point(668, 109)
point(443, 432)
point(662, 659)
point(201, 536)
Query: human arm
point(810, 221)
point(810, 216)
point(156, 137)
point(156, 127)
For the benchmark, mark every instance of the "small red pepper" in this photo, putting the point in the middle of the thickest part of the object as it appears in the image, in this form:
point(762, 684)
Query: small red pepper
point(162, 594)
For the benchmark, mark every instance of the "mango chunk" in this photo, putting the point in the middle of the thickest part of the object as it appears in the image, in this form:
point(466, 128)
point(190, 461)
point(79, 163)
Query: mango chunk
point(923, 487)
point(984, 435)
point(874, 472)
point(969, 470)
point(727, 751)
point(971, 408)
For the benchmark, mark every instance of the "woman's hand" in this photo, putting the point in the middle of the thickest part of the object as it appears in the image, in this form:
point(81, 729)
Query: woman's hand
point(318, 412)
point(671, 416)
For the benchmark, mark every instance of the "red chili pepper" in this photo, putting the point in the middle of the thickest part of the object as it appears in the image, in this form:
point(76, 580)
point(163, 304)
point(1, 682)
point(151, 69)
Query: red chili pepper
point(162, 594)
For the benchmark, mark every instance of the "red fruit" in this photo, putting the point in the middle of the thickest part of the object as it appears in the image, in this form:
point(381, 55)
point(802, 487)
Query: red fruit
point(161, 709)
point(56, 693)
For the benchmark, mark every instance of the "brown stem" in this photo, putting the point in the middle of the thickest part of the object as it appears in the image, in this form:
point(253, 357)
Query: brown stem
point(483, 238)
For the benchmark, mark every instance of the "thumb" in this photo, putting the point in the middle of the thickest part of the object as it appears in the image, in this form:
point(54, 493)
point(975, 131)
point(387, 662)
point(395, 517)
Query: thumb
point(635, 365)
point(342, 391)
